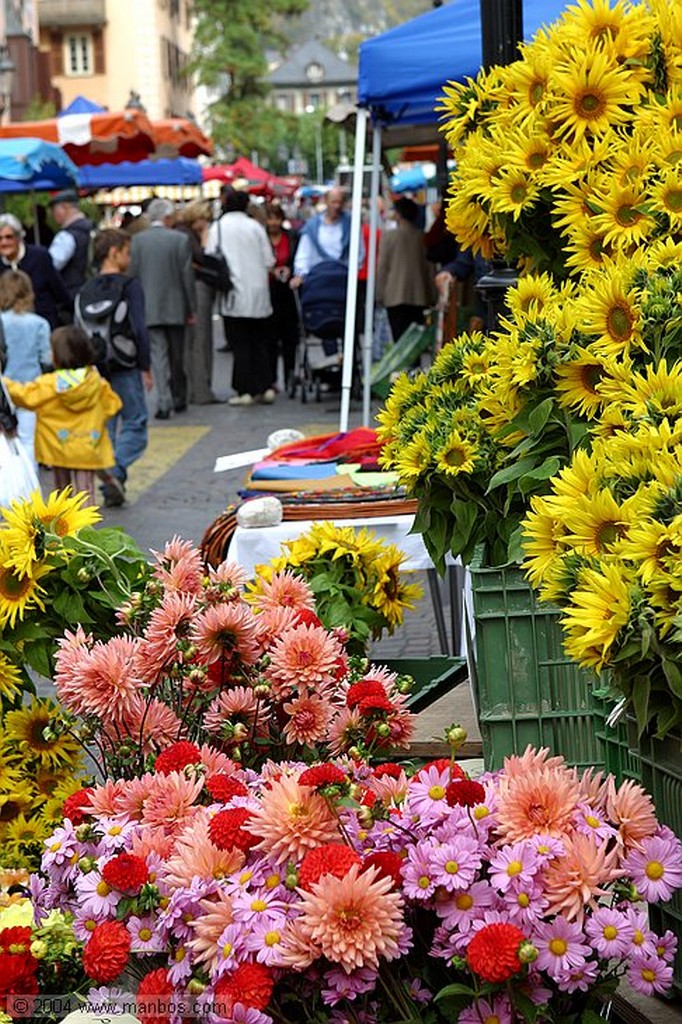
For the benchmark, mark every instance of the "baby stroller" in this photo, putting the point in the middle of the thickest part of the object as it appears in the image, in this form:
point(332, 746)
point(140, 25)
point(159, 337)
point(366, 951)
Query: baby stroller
point(321, 303)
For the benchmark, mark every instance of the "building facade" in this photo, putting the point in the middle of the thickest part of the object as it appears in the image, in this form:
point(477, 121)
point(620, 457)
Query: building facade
point(312, 78)
point(109, 50)
point(24, 72)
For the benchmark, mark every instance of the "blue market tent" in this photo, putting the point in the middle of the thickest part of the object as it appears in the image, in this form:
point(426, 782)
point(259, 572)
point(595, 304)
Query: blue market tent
point(403, 71)
point(180, 171)
point(32, 165)
point(401, 75)
point(82, 105)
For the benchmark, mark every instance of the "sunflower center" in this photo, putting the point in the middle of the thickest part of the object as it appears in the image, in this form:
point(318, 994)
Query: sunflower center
point(610, 932)
point(14, 587)
point(596, 248)
point(558, 947)
point(590, 105)
point(455, 457)
point(518, 193)
point(60, 526)
point(654, 870)
point(619, 322)
point(590, 376)
point(627, 215)
point(537, 159)
point(535, 92)
point(606, 535)
point(9, 810)
point(673, 200)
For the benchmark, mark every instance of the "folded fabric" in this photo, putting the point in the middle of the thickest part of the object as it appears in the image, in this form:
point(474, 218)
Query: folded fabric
point(332, 483)
point(349, 446)
point(282, 471)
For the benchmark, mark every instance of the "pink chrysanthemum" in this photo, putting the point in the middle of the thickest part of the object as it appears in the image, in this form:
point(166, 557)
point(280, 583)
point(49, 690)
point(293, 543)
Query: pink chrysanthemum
point(355, 921)
point(530, 761)
point(169, 623)
point(291, 820)
point(285, 589)
point(308, 721)
point(631, 810)
point(304, 657)
point(573, 882)
point(345, 730)
point(133, 795)
point(216, 761)
point(171, 801)
point(72, 653)
point(195, 856)
point(238, 705)
point(656, 868)
point(107, 679)
point(537, 801)
point(108, 799)
point(179, 566)
point(227, 633)
point(228, 575)
point(273, 622)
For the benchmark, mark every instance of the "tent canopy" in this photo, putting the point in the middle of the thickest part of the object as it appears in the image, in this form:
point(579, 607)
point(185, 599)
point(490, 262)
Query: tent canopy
point(180, 171)
point(82, 105)
point(403, 71)
point(92, 138)
point(33, 165)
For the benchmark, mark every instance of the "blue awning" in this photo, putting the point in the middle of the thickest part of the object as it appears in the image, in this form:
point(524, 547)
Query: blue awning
point(402, 72)
point(180, 171)
point(82, 105)
point(28, 165)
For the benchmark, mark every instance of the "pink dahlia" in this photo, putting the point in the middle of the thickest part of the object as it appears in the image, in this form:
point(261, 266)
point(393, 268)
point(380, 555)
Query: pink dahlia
point(236, 706)
point(227, 576)
point(631, 810)
point(179, 566)
point(273, 622)
point(195, 856)
point(170, 623)
point(150, 722)
point(171, 801)
point(574, 881)
point(305, 657)
point(539, 801)
point(209, 926)
point(291, 820)
point(108, 680)
point(227, 633)
point(355, 921)
point(73, 652)
point(308, 720)
point(284, 589)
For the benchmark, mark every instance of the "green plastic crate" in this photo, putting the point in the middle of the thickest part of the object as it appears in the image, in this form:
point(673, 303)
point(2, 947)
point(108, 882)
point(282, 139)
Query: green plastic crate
point(621, 756)
point(433, 677)
point(661, 767)
point(527, 690)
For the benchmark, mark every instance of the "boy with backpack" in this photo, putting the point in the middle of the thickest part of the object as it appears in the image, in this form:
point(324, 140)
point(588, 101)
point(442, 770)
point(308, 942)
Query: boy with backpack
point(110, 309)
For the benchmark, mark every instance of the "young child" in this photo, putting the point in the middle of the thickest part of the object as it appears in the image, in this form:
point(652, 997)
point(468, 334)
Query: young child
point(73, 405)
point(27, 339)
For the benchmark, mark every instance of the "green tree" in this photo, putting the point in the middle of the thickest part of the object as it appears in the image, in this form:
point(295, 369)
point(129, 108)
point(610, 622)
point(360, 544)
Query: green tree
point(231, 39)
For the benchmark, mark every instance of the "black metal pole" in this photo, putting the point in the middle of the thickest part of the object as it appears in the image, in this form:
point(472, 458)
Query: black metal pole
point(501, 30)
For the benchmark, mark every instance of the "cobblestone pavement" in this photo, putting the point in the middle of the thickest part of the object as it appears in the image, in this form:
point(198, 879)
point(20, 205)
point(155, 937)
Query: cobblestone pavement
point(173, 490)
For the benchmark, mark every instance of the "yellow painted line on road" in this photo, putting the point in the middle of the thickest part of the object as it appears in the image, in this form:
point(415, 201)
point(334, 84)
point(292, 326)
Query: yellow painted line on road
point(166, 446)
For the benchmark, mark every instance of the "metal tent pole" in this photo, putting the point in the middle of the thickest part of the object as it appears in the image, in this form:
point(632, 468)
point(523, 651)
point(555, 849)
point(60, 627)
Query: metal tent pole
point(371, 275)
point(353, 254)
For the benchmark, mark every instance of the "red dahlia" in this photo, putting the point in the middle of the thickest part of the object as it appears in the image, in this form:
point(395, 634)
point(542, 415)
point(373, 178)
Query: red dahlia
point(17, 978)
point(251, 985)
point(224, 787)
point(369, 705)
point(177, 756)
point(226, 830)
point(444, 764)
point(368, 798)
point(340, 667)
point(364, 689)
point(126, 872)
point(306, 617)
point(155, 997)
point(74, 805)
point(389, 865)
point(322, 775)
point(331, 859)
point(464, 793)
point(106, 952)
point(392, 770)
point(16, 940)
point(493, 953)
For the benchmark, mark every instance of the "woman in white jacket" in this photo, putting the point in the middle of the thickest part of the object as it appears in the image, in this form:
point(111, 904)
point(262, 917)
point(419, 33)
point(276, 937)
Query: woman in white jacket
point(246, 308)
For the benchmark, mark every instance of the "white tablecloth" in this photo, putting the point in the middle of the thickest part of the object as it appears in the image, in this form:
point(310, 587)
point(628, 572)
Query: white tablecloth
point(253, 546)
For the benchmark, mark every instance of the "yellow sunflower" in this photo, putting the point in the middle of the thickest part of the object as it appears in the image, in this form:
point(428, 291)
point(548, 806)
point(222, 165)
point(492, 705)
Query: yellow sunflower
point(19, 800)
point(10, 769)
point(577, 382)
point(33, 730)
point(590, 93)
point(666, 197)
point(413, 460)
point(23, 832)
point(535, 291)
point(457, 455)
point(19, 593)
point(586, 247)
point(624, 31)
point(664, 252)
point(599, 610)
point(624, 218)
point(595, 522)
point(655, 548)
point(63, 513)
point(543, 532)
point(609, 312)
point(529, 78)
point(391, 594)
point(665, 597)
point(512, 191)
point(10, 679)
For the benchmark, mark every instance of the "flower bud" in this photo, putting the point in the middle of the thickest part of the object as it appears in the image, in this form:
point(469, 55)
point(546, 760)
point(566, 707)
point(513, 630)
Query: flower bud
point(383, 729)
point(261, 691)
point(528, 954)
point(87, 864)
point(240, 732)
point(355, 753)
point(455, 736)
point(83, 575)
point(196, 677)
point(39, 949)
point(195, 987)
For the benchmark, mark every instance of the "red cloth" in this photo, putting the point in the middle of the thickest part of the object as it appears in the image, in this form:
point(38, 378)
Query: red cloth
point(350, 446)
point(282, 251)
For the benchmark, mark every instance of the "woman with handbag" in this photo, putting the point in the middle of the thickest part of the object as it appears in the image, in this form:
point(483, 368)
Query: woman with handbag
point(193, 220)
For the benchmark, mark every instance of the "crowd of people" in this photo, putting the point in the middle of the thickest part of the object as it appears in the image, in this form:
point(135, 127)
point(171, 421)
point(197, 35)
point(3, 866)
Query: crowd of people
point(93, 323)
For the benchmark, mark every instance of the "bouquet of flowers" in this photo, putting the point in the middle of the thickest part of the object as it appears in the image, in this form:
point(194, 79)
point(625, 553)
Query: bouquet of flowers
point(55, 569)
point(197, 663)
point(354, 576)
point(365, 893)
point(568, 155)
point(605, 545)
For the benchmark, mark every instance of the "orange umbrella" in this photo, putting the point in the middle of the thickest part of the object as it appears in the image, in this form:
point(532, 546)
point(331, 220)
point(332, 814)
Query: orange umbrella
point(92, 138)
point(178, 136)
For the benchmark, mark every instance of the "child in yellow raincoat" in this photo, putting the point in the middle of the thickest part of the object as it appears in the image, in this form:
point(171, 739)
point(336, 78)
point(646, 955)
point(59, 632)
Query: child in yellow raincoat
point(73, 405)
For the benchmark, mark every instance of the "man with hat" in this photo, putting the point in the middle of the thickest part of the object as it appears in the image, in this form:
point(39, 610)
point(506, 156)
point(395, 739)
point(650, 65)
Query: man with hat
point(70, 247)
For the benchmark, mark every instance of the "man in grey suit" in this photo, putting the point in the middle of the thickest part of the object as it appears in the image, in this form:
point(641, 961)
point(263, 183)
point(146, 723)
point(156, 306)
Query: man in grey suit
point(162, 262)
